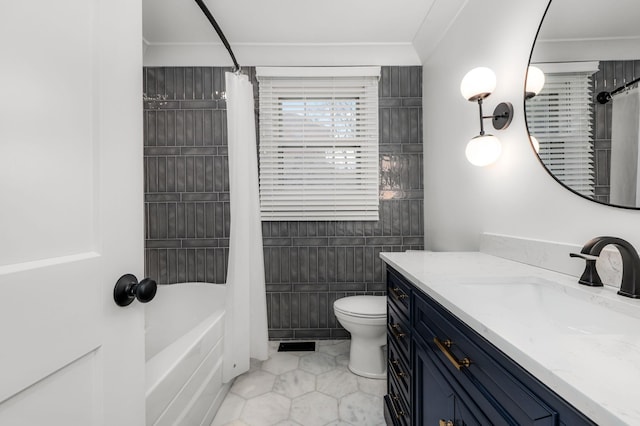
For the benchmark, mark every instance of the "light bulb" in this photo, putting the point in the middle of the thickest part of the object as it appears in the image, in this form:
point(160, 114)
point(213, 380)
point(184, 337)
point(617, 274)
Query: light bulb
point(483, 150)
point(478, 84)
point(535, 81)
point(535, 143)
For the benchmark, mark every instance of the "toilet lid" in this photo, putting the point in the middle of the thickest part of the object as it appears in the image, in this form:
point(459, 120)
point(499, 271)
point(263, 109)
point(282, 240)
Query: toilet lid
point(374, 306)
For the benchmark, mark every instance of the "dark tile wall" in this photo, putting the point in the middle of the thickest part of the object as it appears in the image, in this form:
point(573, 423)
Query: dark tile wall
point(307, 264)
point(186, 175)
point(610, 75)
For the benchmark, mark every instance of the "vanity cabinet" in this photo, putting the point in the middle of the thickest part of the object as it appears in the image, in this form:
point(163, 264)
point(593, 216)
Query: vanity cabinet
point(441, 372)
point(399, 368)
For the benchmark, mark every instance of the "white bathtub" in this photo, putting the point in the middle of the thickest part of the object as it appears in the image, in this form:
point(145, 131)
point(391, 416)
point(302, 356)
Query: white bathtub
point(184, 329)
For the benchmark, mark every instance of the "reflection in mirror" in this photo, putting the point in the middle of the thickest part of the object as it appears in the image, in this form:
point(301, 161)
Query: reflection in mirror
point(588, 146)
point(534, 83)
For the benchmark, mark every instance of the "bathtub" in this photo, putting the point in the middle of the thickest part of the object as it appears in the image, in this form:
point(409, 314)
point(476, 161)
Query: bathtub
point(184, 327)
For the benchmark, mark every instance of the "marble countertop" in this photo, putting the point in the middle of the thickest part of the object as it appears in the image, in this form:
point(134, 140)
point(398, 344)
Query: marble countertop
point(582, 342)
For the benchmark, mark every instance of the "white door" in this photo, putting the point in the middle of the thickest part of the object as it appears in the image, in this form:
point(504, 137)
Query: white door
point(71, 212)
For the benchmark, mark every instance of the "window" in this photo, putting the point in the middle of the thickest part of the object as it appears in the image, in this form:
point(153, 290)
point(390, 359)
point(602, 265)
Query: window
point(318, 143)
point(560, 117)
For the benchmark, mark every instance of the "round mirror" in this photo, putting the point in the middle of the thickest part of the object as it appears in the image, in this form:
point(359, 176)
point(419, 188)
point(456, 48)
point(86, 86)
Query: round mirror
point(584, 115)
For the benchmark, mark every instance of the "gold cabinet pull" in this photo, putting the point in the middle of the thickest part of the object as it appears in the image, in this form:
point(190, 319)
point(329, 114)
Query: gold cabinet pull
point(445, 423)
point(397, 293)
point(397, 412)
point(397, 331)
point(444, 346)
point(395, 368)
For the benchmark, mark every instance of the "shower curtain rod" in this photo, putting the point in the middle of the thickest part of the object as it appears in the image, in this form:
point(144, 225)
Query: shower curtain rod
point(604, 97)
point(216, 27)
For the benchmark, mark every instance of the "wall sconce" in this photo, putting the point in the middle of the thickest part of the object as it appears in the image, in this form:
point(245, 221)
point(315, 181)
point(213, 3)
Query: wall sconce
point(476, 85)
point(534, 82)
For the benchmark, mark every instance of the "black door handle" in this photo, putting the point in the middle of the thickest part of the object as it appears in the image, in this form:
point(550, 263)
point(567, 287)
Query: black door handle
point(128, 288)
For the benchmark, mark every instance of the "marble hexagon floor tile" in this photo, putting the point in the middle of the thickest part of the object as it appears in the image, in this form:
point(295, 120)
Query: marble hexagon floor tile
point(337, 382)
point(303, 389)
point(230, 410)
point(337, 349)
point(318, 363)
point(342, 360)
point(267, 409)
point(295, 383)
point(253, 384)
point(372, 386)
point(361, 409)
point(314, 409)
point(280, 362)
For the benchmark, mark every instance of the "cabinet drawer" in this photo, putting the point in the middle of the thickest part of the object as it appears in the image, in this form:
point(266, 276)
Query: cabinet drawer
point(398, 292)
point(396, 405)
point(496, 391)
point(399, 332)
point(438, 398)
point(398, 369)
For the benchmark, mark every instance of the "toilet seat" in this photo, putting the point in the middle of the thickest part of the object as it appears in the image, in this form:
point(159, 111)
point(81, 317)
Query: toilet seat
point(362, 306)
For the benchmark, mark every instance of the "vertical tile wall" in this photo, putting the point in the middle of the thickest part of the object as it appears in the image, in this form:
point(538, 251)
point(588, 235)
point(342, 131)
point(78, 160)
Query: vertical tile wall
point(186, 175)
point(610, 75)
point(307, 264)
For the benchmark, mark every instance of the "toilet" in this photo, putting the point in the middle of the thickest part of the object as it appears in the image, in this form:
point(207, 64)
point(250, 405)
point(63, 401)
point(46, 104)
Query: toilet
point(365, 317)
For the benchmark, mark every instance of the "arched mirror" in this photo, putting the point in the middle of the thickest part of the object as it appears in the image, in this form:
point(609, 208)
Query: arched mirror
point(584, 122)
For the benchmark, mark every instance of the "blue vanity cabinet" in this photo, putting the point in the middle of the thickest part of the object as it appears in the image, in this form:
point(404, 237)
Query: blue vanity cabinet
point(459, 378)
point(399, 376)
point(435, 401)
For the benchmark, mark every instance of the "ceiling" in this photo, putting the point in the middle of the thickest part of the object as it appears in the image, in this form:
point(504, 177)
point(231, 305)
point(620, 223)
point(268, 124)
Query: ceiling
point(285, 21)
point(296, 32)
point(342, 32)
point(592, 20)
point(589, 30)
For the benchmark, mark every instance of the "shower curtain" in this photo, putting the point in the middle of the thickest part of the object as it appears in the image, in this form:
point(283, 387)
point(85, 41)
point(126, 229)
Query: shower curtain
point(246, 307)
point(625, 137)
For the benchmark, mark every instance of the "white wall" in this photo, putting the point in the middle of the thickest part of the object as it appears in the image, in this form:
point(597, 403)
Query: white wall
point(515, 196)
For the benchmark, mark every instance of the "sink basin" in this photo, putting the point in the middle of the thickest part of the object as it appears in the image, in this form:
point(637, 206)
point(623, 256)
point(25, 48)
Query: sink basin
point(570, 308)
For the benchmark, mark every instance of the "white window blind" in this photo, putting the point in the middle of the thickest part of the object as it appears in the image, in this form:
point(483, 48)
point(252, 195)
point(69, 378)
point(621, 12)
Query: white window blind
point(318, 143)
point(560, 117)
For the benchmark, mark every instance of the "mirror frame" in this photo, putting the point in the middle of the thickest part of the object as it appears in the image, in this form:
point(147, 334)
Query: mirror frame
point(524, 102)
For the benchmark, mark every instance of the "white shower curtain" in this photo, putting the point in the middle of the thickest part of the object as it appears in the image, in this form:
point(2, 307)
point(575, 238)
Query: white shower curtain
point(625, 155)
point(246, 307)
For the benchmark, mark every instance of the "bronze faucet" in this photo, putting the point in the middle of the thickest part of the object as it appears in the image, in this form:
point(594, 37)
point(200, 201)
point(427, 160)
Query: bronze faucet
point(630, 286)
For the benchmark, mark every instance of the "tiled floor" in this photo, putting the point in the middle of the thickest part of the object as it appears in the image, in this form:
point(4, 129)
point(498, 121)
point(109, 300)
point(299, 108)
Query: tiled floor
point(304, 389)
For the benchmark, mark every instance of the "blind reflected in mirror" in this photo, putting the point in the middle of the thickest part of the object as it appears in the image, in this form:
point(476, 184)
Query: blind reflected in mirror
point(586, 117)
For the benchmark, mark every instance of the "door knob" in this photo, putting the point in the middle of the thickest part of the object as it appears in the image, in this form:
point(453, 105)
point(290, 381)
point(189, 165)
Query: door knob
point(128, 288)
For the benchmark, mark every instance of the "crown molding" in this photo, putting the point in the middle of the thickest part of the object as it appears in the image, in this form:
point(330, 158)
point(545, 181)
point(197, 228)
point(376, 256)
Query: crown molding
point(281, 54)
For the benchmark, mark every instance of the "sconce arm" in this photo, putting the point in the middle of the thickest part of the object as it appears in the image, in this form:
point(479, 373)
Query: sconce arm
point(482, 117)
point(502, 116)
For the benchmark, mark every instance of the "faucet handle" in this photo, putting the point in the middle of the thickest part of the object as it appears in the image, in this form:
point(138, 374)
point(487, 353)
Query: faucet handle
point(590, 275)
point(584, 256)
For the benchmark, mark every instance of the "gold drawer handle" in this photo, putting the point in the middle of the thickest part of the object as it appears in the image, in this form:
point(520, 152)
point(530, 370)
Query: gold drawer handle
point(445, 423)
point(397, 413)
point(397, 331)
point(397, 293)
point(395, 367)
point(444, 347)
